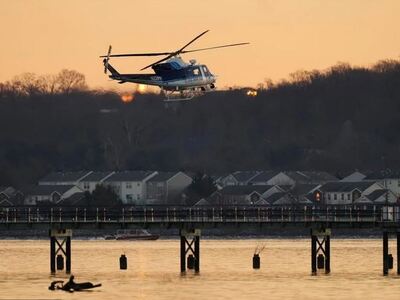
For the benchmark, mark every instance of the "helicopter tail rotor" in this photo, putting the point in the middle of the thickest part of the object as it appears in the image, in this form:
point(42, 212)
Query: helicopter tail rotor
point(108, 66)
point(107, 59)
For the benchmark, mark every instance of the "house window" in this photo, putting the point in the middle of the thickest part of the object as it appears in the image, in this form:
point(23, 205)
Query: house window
point(348, 197)
point(138, 197)
point(342, 196)
point(329, 196)
point(138, 184)
point(86, 185)
point(398, 182)
point(334, 196)
point(129, 197)
point(317, 196)
point(128, 185)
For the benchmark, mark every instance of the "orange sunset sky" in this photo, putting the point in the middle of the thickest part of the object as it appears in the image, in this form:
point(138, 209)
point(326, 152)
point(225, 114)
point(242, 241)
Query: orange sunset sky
point(44, 36)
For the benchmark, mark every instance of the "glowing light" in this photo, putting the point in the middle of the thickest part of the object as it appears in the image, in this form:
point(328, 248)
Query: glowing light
point(142, 88)
point(317, 196)
point(251, 93)
point(127, 97)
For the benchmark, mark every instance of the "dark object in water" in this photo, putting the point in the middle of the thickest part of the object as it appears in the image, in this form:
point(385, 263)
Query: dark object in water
point(60, 262)
point(256, 261)
point(190, 262)
point(123, 262)
point(72, 286)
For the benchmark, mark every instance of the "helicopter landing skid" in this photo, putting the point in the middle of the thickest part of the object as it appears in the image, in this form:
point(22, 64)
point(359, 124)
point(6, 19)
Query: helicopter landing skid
point(185, 95)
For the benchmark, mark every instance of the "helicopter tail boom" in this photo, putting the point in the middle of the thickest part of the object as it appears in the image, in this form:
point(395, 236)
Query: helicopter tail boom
point(110, 68)
point(107, 66)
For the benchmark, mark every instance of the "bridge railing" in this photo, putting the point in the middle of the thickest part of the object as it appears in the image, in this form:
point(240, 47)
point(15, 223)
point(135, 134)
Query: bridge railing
point(219, 214)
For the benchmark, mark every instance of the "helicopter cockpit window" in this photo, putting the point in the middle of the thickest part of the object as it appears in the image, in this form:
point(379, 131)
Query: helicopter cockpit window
point(205, 70)
point(196, 72)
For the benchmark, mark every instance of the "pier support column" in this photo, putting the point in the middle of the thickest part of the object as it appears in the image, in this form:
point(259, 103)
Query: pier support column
point(385, 253)
point(190, 243)
point(320, 250)
point(52, 254)
point(60, 243)
point(398, 253)
point(387, 258)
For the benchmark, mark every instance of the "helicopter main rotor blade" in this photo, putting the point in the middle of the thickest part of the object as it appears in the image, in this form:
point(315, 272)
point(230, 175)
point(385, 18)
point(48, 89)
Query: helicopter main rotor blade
point(172, 54)
point(139, 54)
point(197, 37)
point(216, 47)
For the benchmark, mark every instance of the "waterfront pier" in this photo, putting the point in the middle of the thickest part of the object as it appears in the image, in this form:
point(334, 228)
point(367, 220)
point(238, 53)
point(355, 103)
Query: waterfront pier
point(321, 221)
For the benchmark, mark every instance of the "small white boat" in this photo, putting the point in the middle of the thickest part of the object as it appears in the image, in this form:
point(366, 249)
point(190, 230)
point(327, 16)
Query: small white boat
point(135, 234)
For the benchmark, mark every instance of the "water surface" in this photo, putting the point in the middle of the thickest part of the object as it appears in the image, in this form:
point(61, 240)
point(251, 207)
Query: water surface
point(225, 272)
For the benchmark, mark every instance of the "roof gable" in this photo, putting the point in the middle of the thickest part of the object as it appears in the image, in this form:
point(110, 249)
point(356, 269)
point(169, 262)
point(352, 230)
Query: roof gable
point(355, 176)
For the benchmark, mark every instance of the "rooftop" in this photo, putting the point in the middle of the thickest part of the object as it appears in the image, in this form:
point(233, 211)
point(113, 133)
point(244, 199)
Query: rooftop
point(129, 176)
point(244, 176)
point(65, 176)
point(162, 176)
point(245, 189)
point(97, 176)
point(48, 189)
point(339, 186)
point(264, 176)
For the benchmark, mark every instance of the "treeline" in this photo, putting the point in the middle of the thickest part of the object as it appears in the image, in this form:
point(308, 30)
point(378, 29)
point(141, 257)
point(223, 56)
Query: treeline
point(337, 120)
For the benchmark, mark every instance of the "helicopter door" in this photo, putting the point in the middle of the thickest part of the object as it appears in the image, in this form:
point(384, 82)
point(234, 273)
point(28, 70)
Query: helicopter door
point(203, 74)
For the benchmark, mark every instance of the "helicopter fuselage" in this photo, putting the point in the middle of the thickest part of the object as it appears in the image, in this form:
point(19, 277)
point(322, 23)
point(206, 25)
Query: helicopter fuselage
point(173, 75)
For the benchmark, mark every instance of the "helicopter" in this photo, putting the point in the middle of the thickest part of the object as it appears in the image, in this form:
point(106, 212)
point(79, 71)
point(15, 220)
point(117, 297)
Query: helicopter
point(177, 79)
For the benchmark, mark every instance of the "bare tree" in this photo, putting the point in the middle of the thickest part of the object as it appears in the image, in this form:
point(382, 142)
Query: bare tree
point(47, 84)
point(25, 84)
point(70, 81)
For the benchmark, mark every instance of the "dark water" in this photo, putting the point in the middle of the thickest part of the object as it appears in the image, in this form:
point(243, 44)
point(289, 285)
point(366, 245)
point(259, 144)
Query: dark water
point(226, 271)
